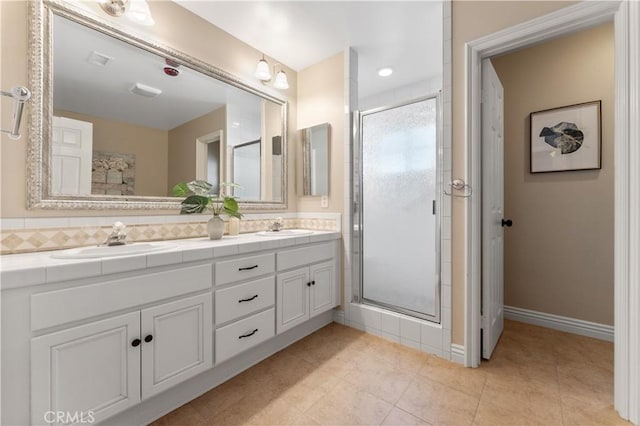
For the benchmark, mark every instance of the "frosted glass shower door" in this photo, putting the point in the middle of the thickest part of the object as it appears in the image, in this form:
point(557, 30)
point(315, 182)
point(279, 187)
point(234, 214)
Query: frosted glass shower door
point(398, 211)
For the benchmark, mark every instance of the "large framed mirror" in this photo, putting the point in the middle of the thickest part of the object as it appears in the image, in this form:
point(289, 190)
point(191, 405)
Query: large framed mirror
point(117, 120)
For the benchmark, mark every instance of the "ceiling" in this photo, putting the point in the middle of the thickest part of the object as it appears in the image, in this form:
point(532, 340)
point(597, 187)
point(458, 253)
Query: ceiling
point(404, 35)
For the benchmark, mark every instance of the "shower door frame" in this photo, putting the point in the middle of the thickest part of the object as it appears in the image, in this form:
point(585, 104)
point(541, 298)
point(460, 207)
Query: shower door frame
point(357, 185)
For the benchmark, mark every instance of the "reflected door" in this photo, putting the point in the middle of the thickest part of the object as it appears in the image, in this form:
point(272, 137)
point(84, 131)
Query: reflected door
point(71, 154)
point(399, 239)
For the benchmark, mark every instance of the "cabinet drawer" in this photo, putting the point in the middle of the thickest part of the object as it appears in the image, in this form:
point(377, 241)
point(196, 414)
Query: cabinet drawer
point(294, 258)
point(244, 334)
point(243, 299)
point(246, 267)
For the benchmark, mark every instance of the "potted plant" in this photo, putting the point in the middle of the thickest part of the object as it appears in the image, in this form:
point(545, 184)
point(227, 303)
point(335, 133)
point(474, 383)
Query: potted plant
point(200, 196)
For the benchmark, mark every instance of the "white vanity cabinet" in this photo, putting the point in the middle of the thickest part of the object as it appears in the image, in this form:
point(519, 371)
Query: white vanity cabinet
point(245, 315)
point(92, 367)
point(100, 368)
point(306, 291)
point(124, 340)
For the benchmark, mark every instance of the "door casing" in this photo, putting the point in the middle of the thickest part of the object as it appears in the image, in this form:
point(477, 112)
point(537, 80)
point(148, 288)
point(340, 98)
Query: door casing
point(626, 16)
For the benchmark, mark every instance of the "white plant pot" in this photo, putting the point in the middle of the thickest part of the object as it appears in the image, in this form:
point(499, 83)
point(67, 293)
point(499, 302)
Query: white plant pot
point(215, 227)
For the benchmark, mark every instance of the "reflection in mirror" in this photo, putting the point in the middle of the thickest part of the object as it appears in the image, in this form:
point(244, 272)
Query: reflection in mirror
point(127, 122)
point(315, 159)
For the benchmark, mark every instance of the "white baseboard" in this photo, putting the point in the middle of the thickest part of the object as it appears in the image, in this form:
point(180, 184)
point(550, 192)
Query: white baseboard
point(457, 353)
point(557, 322)
point(338, 316)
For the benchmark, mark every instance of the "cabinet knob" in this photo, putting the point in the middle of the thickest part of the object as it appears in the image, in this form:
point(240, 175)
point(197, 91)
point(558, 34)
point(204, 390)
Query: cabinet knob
point(308, 284)
point(135, 343)
point(148, 338)
point(313, 282)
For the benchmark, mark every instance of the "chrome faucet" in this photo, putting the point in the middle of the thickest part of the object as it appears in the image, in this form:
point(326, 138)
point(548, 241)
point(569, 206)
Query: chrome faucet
point(118, 235)
point(276, 225)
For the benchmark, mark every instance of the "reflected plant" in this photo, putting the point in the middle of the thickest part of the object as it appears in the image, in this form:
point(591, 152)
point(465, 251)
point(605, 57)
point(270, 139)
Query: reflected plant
point(200, 196)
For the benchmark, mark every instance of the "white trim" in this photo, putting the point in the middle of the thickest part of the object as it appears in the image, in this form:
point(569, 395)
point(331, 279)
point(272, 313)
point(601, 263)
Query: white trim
point(558, 322)
point(338, 316)
point(202, 154)
point(627, 177)
point(457, 353)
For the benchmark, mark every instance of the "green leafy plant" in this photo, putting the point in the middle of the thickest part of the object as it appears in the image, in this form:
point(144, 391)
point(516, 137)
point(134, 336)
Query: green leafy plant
point(200, 197)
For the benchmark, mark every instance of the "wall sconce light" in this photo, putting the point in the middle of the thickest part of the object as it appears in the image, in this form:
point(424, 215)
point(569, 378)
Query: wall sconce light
point(263, 73)
point(136, 10)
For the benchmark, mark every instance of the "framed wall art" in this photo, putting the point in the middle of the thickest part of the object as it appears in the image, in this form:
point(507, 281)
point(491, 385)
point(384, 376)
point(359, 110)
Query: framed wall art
point(566, 138)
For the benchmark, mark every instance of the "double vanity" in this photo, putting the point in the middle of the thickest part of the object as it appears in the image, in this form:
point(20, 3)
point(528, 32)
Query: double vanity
point(125, 339)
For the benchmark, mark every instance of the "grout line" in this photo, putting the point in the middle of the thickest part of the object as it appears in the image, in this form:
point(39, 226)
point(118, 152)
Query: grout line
point(475, 414)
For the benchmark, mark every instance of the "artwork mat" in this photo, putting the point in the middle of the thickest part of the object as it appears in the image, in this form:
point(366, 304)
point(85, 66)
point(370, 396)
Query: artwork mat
point(587, 117)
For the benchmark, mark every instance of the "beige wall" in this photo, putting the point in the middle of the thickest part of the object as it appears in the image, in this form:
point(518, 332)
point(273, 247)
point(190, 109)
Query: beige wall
point(175, 27)
point(559, 253)
point(182, 144)
point(471, 20)
point(148, 145)
point(321, 94)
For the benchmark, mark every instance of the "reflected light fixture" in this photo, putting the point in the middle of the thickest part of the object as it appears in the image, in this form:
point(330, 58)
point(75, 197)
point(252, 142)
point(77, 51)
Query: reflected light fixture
point(385, 71)
point(263, 73)
point(136, 10)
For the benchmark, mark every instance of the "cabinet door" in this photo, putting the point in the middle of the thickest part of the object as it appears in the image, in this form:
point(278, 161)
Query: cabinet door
point(176, 342)
point(322, 288)
point(88, 372)
point(292, 299)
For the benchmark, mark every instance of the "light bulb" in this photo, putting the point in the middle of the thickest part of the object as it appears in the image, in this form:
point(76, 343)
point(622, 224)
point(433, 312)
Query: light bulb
point(262, 71)
point(281, 81)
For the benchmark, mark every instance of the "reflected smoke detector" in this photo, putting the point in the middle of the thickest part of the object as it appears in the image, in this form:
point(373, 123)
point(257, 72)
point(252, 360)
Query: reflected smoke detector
point(144, 90)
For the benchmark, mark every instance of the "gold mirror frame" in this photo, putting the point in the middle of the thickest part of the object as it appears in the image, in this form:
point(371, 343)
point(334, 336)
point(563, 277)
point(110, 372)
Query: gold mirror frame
point(41, 108)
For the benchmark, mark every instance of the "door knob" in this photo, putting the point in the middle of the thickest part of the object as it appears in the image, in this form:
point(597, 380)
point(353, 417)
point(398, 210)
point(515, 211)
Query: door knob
point(507, 222)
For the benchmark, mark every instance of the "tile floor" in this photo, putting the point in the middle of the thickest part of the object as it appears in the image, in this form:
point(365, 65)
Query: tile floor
point(342, 376)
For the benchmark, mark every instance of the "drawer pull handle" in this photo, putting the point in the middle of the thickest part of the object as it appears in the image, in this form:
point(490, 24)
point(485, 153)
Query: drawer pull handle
point(248, 334)
point(148, 338)
point(135, 343)
point(248, 268)
point(248, 299)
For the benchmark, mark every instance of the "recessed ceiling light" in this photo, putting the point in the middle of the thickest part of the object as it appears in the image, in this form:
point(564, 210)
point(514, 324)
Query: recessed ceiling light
point(385, 72)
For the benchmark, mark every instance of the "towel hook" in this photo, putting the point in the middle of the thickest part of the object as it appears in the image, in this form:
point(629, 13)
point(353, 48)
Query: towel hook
point(459, 185)
point(20, 95)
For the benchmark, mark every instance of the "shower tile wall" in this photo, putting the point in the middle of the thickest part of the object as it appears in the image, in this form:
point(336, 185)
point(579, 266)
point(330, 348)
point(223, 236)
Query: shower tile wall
point(434, 338)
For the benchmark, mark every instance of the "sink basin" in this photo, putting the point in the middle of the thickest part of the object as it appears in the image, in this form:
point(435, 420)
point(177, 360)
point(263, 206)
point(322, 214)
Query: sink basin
point(106, 251)
point(285, 233)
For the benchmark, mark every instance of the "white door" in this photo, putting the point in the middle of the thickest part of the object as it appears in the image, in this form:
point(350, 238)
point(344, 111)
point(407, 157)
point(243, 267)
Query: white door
point(492, 208)
point(322, 286)
point(176, 342)
point(71, 156)
point(90, 371)
point(292, 299)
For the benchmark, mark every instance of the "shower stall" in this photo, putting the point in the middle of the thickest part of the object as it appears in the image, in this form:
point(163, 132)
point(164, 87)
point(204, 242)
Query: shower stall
point(396, 181)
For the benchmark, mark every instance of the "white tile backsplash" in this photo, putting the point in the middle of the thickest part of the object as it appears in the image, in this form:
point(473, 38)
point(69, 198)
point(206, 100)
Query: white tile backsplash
point(123, 264)
point(390, 323)
point(446, 318)
point(160, 259)
point(431, 335)
point(63, 272)
point(446, 296)
point(410, 329)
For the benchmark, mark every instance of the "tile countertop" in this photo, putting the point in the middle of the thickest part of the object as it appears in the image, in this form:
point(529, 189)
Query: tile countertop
point(23, 270)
